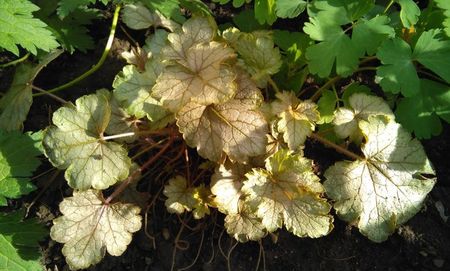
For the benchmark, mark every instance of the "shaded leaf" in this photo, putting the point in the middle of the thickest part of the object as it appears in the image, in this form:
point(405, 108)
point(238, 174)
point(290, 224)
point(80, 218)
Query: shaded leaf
point(88, 228)
point(19, 248)
point(409, 12)
point(289, 8)
point(137, 16)
point(18, 160)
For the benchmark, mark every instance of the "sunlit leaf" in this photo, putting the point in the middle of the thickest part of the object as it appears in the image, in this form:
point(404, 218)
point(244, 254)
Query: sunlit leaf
point(88, 228)
point(287, 192)
point(385, 189)
point(76, 143)
point(244, 225)
point(235, 128)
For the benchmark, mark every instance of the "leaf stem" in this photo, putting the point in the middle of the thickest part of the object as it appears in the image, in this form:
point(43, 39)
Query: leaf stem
point(336, 147)
point(14, 62)
point(45, 92)
point(99, 63)
point(136, 173)
point(388, 6)
point(368, 68)
point(274, 85)
point(324, 87)
point(118, 136)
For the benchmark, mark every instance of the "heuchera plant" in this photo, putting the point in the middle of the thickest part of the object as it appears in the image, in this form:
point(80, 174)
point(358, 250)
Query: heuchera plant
point(217, 91)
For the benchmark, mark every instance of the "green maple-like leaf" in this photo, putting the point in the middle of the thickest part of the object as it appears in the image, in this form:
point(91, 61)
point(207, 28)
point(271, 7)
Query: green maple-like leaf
point(288, 192)
point(289, 8)
point(181, 198)
point(20, 27)
point(68, 6)
point(361, 107)
point(326, 105)
point(420, 114)
point(76, 143)
point(265, 11)
point(409, 12)
point(18, 160)
point(398, 74)
point(261, 58)
point(137, 16)
point(16, 102)
point(19, 248)
point(297, 118)
point(335, 47)
point(88, 228)
point(198, 74)
point(384, 189)
point(235, 127)
point(445, 5)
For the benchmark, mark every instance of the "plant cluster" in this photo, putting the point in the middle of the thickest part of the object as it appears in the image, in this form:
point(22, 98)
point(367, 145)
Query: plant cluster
point(239, 96)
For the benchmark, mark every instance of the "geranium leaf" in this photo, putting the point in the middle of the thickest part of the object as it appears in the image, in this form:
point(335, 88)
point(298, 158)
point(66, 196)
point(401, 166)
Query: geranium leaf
point(297, 118)
point(75, 143)
point(326, 105)
point(361, 107)
point(288, 192)
point(420, 114)
point(409, 12)
point(20, 27)
point(16, 102)
point(262, 59)
point(369, 34)
point(235, 127)
point(88, 228)
point(385, 189)
point(18, 160)
point(200, 77)
point(289, 8)
point(19, 248)
point(445, 5)
point(265, 11)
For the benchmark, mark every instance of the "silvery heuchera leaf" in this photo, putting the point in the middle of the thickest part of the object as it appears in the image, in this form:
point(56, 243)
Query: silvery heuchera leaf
point(181, 197)
point(346, 120)
point(244, 225)
point(16, 102)
point(261, 58)
point(200, 77)
point(133, 91)
point(137, 16)
point(385, 189)
point(89, 227)
point(75, 142)
point(226, 183)
point(235, 128)
point(194, 31)
point(288, 192)
point(297, 119)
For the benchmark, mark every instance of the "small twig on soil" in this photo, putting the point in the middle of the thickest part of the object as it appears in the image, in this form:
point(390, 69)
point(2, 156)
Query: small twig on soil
point(45, 92)
point(336, 147)
point(14, 62)
point(99, 63)
point(41, 192)
point(274, 85)
point(262, 255)
point(198, 253)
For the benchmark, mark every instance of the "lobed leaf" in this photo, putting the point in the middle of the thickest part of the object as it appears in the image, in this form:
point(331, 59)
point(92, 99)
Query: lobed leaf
point(19, 247)
point(244, 225)
point(235, 127)
point(288, 192)
point(89, 227)
point(445, 5)
point(137, 16)
point(76, 143)
point(385, 189)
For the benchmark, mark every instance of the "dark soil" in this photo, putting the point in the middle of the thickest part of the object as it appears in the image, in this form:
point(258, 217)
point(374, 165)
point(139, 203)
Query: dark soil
point(421, 244)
